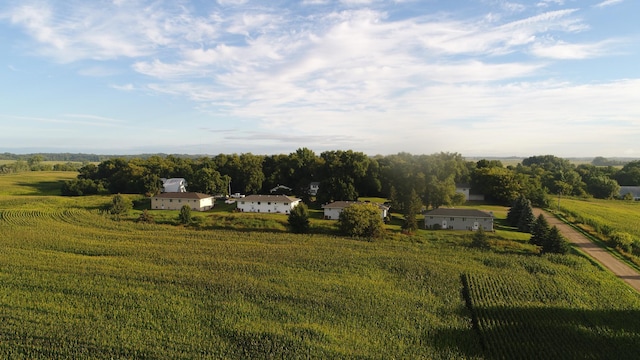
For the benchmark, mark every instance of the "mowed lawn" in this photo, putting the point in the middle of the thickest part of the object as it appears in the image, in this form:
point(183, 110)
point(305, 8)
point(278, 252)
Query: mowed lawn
point(77, 284)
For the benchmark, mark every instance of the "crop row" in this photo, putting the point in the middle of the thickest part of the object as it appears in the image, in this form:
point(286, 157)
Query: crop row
point(531, 319)
point(30, 217)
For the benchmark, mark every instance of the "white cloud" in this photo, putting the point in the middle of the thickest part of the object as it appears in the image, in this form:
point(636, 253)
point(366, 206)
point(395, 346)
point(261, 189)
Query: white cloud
point(125, 87)
point(567, 51)
point(608, 3)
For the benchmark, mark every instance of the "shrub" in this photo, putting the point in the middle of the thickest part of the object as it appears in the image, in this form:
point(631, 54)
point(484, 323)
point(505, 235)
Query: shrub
point(480, 239)
point(622, 241)
point(185, 214)
point(145, 217)
point(361, 220)
point(120, 205)
point(299, 219)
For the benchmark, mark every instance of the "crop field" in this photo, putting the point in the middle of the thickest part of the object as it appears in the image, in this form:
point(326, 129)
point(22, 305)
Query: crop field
point(615, 214)
point(77, 284)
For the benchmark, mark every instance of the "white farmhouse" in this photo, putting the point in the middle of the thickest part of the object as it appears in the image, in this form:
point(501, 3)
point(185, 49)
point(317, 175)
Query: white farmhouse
point(267, 203)
point(332, 210)
point(175, 201)
point(174, 185)
point(458, 219)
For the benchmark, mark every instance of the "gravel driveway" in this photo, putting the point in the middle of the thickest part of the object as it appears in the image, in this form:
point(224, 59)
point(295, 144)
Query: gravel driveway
point(620, 269)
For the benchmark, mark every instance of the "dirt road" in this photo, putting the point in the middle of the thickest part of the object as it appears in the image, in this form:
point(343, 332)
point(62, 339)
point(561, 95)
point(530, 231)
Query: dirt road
point(620, 269)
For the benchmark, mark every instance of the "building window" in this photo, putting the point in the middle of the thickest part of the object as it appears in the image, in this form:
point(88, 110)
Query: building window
point(451, 219)
point(170, 200)
point(242, 202)
point(258, 202)
point(269, 203)
point(464, 219)
point(286, 204)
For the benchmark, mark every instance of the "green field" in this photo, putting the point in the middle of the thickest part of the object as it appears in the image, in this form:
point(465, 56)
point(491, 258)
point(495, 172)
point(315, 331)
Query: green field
point(77, 284)
point(618, 215)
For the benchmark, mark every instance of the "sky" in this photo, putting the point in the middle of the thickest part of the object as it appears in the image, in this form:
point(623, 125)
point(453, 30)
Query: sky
point(475, 77)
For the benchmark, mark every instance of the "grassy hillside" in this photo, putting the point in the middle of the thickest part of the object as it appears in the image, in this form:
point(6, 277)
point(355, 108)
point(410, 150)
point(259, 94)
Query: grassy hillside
point(76, 284)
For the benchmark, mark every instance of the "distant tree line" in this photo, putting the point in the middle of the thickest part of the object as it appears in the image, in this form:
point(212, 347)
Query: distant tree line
point(411, 182)
point(36, 163)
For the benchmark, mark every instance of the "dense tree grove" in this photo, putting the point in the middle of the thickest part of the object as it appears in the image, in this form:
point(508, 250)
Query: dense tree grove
point(411, 182)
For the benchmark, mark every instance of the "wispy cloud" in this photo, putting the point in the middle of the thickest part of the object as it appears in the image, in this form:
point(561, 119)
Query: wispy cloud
point(608, 3)
point(340, 68)
point(567, 51)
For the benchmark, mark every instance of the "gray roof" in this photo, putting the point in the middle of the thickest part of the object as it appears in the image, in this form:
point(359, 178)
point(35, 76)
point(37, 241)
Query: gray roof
point(633, 190)
point(182, 195)
point(344, 204)
point(459, 213)
point(272, 198)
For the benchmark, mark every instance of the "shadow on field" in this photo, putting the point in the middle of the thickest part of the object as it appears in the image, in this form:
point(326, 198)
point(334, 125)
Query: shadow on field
point(551, 333)
point(44, 187)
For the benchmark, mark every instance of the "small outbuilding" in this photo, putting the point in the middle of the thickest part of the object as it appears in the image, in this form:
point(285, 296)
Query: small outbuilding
point(332, 210)
point(458, 219)
point(175, 201)
point(267, 203)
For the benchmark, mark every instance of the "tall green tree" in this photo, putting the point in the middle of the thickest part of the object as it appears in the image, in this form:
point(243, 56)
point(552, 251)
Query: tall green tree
point(412, 208)
point(555, 242)
point(539, 231)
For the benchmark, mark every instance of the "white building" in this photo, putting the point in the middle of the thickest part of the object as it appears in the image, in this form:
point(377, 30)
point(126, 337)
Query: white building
point(469, 194)
point(458, 219)
point(175, 201)
point(332, 210)
point(313, 188)
point(267, 203)
point(174, 185)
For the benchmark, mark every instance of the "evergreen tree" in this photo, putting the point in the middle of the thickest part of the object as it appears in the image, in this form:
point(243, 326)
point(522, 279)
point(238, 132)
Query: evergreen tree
point(539, 231)
point(299, 219)
point(555, 242)
point(185, 214)
point(412, 207)
point(526, 220)
point(513, 217)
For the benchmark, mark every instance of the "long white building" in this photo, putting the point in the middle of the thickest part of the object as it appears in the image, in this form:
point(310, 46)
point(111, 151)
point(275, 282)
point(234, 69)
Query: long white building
point(267, 203)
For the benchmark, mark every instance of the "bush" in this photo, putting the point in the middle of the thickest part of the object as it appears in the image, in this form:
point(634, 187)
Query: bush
point(622, 241)
point(361, 220)
point(185, 214)
point(299, 219)
point(145, 217)
point(120, 205)
point(480, 239)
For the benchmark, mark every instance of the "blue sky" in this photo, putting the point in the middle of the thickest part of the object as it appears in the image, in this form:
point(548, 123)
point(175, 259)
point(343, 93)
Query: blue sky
point(477, 77)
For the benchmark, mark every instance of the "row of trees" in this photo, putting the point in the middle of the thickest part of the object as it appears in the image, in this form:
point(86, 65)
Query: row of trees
point(411, 182)
point(36, 163)
point(548, 238)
